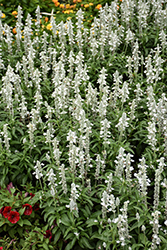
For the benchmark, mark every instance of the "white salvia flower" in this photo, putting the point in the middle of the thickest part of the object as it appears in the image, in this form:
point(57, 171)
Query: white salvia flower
point(88, 183)
point(23, 108)
point(123, 124)
point(129, 36)
point(71, 137)
point(102, 79)
point(44, 64)
point(116, 88)
point(79, 17)
point(158, 173)
point(124, 92)
point(149, 70)
point(135, 57)
point(152, 135)
point(143, 228)
point(109, 183)
point(8, 39)
point(117, 202)
point(38, 17)
point(111, 204)
point(19, 27)
point(98, 165)
point(158, 61)
point(31, 128)
point(151, 103)
point(143, 180)
point(104, 244)
point(138, 92)
point(52, 182)
point(56, 151)
point(114, 40)
point(129, 66)
point(155, 238)
point(104, 203)
point(74, 196)
point(6, 137)
point(129, 168)
point(71, 61)
point(51, 175)
point(137, 217)
point(48, 136)
point(102, 108)
point(91, 97)
point(38, 170)
point(1, 60)
point(143, 11)
point(104, 133)
point(63, 178)
point(120, 163)
point(162, 38)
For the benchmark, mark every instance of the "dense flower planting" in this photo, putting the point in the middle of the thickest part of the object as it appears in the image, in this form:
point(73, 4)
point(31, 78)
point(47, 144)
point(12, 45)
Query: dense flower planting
point(83, 143)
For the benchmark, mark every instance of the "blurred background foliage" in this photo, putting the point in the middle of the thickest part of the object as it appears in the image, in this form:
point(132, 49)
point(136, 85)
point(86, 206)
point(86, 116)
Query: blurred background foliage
point(62, 8)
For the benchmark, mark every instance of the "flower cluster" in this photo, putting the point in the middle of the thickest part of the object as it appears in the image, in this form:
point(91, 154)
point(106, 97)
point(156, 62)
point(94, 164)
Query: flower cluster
point(12, 216)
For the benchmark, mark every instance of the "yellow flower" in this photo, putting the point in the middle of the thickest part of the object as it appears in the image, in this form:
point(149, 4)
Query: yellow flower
point(57, 32)
point(49, 26)
point(68, 11)
point(23, 37)
point(68, 18)
point(90, 4)
point(67, 6)
point(86, 5)
point(98, 6)
point(3, 15)
point(14, 13)
point(62, 6)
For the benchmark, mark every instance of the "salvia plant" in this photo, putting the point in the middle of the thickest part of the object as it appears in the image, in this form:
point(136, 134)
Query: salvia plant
point(83, 121)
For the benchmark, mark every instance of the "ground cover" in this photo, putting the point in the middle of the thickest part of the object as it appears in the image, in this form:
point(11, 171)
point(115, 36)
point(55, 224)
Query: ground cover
point(83, 141)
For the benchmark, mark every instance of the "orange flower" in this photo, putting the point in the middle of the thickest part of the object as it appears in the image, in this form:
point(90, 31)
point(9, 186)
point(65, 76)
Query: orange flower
point(79, 1)
point(72, 6)
point(74, 1)
point(57, 4)
point(98, 6)
point(86, 5)
point(117, 7)
point(14, 31)
point(90, 4)
point(46, 19)
point(14, 13)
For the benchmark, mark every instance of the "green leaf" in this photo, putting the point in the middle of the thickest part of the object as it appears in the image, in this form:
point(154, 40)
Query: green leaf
point(12, 232)
point(20, 222)
point(57, 236)
point(137, 246)
point(20, 231)
point(27, 222)
point(65, 220)
point(2, 223)
point(84, 242)
point(45, 246)
point(163, 239)
point(70, 244)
